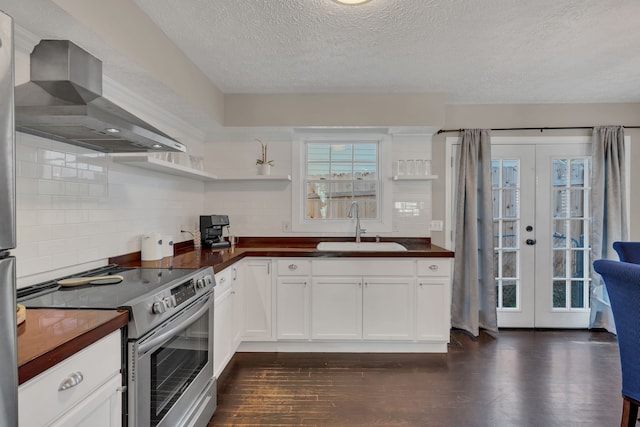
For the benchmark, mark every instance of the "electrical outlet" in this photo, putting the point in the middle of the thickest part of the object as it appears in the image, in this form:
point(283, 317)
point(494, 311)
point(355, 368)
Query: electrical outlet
point(436, 225)
point(286, 226)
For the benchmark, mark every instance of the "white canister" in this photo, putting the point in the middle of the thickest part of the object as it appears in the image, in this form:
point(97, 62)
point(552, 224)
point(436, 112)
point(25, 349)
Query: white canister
point(167, 246)
point(151, 247)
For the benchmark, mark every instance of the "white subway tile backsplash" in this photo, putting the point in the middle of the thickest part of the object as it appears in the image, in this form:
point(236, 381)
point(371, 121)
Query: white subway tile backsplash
point(76, 208)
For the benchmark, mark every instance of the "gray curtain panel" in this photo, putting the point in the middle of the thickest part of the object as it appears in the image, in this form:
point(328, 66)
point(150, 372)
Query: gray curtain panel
point(473, 304)
point(608, 213)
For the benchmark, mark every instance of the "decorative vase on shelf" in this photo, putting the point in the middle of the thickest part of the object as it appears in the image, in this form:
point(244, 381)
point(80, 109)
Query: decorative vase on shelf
point(264, 169)
point(264, 165)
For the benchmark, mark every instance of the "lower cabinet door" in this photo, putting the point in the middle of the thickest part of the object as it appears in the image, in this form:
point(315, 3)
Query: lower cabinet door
point(103, 408)
point(336, 308)
point(222, 333)
point(256, 281)
point(433, 309)
point(292, 296)
point(387, 308)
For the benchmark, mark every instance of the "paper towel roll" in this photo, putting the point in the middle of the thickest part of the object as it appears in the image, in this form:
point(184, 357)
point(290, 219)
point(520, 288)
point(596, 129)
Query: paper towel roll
point(167, 246)
point(151, 247)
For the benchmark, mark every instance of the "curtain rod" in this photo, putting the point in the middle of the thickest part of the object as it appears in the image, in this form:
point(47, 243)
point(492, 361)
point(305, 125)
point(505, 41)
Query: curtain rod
point(541, 128)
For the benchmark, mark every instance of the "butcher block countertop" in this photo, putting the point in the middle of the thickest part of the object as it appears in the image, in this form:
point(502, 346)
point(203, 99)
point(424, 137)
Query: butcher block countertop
point(48, 336)
point(186, 256)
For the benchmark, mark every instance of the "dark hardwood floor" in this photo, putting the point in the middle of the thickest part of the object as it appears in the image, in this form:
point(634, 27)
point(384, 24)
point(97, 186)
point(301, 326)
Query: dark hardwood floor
point(520, 378)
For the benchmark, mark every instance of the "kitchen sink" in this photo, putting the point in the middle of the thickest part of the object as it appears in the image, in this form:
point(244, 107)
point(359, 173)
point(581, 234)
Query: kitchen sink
point(362, 246)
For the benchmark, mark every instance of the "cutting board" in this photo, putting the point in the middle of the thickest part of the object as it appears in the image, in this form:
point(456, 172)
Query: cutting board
point(21, 313)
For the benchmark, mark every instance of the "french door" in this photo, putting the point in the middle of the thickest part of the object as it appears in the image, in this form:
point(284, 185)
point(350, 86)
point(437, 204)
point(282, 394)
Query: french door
point(541, 223)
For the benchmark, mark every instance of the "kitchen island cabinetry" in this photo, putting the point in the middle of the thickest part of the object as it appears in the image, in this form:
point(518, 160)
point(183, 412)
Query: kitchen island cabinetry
point(83, 390)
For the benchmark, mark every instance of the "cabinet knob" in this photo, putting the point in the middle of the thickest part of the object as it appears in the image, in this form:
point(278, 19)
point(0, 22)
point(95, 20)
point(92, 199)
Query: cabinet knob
point(71, 381)
point(293, 267)
point(222, 280)
point(433, 267)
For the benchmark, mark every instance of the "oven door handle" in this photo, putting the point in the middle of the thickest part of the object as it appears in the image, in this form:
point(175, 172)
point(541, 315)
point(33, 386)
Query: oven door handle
point(183, 324)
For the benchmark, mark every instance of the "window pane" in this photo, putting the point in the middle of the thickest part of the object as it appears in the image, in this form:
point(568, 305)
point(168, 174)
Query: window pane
point(577, 294)
point(339, 173)
point(559, 264)
point(559, 172)
point(318, 171)
point(577, 203)
point(560, 203)
point(509, 294)
point(510, 203)
point(509, 266)
point(559, 294)
point(509, 173)
point(509, 234)
point(559, 234)
point(577, 172)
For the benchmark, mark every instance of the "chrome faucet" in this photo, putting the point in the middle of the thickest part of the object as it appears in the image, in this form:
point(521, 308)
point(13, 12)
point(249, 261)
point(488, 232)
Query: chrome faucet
point(359, 230)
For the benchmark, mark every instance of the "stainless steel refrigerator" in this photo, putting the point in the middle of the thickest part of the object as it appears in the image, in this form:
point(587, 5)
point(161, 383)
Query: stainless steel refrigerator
point(8, 340)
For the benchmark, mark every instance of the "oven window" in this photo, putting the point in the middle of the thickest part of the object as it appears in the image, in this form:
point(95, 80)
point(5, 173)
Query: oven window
point(176, 364)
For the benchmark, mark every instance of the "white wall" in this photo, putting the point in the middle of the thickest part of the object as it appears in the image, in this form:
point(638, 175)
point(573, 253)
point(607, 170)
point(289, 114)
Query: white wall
point(259, 208)
point(76, 208)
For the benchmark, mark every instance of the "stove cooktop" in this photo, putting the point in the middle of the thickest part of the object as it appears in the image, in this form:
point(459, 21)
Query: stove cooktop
point(152, 295)
point(137, 283)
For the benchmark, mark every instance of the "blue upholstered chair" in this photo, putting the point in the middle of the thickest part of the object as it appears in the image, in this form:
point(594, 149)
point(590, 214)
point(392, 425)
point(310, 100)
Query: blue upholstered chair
point(628, 251)
point(622, 280)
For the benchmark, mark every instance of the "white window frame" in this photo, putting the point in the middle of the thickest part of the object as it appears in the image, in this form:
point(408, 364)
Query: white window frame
point(298, 157)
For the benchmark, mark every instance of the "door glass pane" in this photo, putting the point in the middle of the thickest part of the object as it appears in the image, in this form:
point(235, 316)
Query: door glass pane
point(509, 294)
point(559, 294)
point(570, 218)
point(506, 224)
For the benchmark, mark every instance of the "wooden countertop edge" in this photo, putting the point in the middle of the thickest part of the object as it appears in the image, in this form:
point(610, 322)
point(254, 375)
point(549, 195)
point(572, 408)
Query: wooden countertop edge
point(284, 247)
point(56, 354)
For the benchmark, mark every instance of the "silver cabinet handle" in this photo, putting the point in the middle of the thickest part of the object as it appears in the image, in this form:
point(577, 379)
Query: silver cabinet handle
point(71, 381)
point(433, 267)
point(235, 273)
point(293, 267)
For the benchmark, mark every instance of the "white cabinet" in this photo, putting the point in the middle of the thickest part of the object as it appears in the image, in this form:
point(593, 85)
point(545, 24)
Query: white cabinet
point(360, 305)
point(237, 315)
point(433, 301)
point(226, 324)
point(336, 308)
point(83, 390)
point(256, 296)
point(222, 322)
point(292, 299)
point(387, 308)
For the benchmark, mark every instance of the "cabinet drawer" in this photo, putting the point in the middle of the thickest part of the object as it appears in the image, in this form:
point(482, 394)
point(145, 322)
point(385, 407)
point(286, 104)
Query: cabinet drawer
point(40, 401)
point(434, 267)
point(363, 267)
point(223, 282)
point(294, 267)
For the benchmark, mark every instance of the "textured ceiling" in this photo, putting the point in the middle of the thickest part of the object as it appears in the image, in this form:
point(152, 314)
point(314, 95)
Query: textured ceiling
point(490, 51)
point(473, 51)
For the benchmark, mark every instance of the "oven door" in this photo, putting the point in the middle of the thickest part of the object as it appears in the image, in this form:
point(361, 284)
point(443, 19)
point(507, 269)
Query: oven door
point(171, 370)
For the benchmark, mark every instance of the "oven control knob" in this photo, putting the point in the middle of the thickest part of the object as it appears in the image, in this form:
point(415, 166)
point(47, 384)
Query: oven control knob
point(200, 283)
point(208, 279)
point(169, 301)
point(158, 307)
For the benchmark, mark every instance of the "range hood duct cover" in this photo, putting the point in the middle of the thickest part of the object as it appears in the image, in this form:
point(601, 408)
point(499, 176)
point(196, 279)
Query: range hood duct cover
point(63, 101)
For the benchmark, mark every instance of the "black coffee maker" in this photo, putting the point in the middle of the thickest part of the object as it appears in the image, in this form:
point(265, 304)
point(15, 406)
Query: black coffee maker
point(211, 227)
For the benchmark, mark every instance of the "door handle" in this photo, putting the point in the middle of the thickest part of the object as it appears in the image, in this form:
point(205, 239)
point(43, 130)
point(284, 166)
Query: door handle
point(530, 242)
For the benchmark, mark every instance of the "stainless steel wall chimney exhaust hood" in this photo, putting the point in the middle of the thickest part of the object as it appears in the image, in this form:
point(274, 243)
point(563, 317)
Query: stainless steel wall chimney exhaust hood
point(63, 101)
